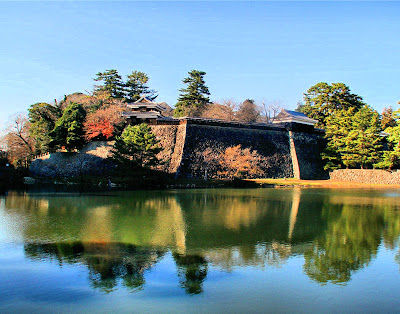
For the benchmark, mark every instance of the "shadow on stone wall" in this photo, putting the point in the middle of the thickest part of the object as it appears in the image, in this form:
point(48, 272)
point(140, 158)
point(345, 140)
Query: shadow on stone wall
point(308, 149)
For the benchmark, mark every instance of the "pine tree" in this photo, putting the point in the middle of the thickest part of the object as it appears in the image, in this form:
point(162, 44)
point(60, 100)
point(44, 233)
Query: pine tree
point(323, 100)
point(352, 139)
point(136, 87)
point(337, 130)
point(112, 83)
point(363, 143)
point(193, 99)
point(136, 147)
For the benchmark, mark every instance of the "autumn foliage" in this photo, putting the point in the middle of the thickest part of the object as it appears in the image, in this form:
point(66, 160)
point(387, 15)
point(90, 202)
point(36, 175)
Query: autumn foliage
point(237, 162)
point(17, 141)
point(103, 123)
point(232, 162)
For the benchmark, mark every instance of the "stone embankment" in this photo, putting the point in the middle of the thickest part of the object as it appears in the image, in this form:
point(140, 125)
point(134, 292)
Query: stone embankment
point(91, 160)
point(193, 147)
point(369, 176)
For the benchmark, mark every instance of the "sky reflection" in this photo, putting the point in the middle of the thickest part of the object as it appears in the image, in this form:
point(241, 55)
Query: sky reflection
point(250, 243)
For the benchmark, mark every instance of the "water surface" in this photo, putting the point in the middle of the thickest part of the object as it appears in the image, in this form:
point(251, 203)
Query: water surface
point(260, 250)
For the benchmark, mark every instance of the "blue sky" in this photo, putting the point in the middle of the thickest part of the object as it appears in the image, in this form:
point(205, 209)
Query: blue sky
point(271, 51)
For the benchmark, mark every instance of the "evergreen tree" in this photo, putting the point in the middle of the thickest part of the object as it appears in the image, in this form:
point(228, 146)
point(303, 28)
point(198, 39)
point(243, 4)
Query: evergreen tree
point(112, 83)
point(193, 99)
point(323, 100)
point(336, 132)
point(363, 143)
point(352, 139)
point(136, 147)
point(68, 130)
point(42, 118)
point(136, 87)
point(391, 157)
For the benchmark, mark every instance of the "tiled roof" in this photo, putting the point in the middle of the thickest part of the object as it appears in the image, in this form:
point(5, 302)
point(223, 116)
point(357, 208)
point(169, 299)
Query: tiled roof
point(294, 116)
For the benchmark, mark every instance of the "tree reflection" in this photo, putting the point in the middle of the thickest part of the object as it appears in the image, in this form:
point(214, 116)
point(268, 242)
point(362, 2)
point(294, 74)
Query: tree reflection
point(192, 271)
point(349, 243)
point(107, 263)
point(119, 237)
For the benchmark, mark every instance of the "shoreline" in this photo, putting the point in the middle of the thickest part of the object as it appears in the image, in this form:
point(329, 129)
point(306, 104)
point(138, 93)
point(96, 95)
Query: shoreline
point(170, 184)
point(289, 182)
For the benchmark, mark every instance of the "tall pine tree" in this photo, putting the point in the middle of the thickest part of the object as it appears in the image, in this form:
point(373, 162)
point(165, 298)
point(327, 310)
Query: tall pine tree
point(193, 99)
point(112, 83)
point(136, 86)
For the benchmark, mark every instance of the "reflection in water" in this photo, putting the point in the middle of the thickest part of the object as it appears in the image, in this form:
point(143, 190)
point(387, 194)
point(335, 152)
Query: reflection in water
point(348, 244)
point(192, 271)
point(294, 211)
point(121, 236)
point(106, 262)
point(260, 256)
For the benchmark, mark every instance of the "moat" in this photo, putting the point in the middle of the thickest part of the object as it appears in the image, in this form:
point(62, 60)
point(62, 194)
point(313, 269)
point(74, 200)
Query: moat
point(215, 250)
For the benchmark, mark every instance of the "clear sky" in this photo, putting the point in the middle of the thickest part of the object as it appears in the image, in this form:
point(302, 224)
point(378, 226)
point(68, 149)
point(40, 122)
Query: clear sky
point(259, 50)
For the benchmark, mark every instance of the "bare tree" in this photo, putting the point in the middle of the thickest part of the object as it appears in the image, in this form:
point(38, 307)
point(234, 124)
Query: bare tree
point(223, 110)
point(248, 111)
point(269, 110)
point(17, 141)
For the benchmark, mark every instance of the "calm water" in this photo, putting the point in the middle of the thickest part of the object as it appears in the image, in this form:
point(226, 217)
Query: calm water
point(263, 250)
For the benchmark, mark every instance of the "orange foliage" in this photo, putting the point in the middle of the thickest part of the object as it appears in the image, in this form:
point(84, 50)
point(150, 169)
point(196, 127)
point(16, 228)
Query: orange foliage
point(102, 123)
point(19, 144)
point(229, 163)
point(240, 163)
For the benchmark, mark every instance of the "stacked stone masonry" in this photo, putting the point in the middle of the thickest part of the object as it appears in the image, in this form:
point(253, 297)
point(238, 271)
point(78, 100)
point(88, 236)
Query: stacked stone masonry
point(369, 176)
point(185, 142)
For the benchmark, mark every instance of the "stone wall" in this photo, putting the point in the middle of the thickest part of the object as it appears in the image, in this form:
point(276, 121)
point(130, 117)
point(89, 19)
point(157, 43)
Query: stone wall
point(371, 176)
point(91, 160)
point(271, 144)
point(166, 134)
point(185, 144)
point(308, 148)
point(172, 140)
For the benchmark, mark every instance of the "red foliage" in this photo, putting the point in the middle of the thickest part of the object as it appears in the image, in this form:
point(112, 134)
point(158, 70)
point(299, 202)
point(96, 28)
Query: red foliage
point(102, 123)
point(97, 130)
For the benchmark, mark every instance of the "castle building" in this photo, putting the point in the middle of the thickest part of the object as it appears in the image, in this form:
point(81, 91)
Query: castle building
point(293, 120)
point(144, 110)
